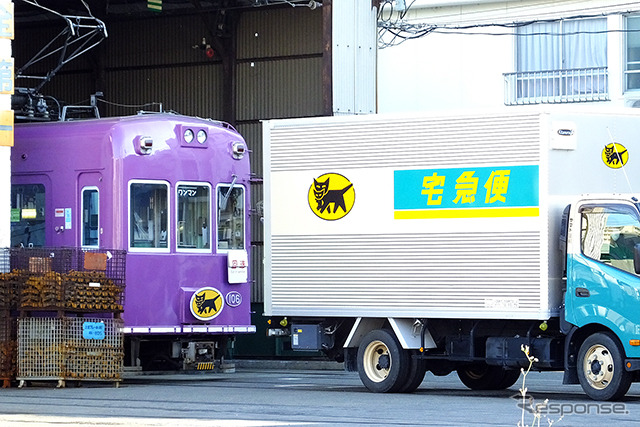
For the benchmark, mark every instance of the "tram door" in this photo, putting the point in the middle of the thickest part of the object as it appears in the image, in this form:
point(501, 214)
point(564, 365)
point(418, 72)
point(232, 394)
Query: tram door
point(89, 227)
point(30, 214)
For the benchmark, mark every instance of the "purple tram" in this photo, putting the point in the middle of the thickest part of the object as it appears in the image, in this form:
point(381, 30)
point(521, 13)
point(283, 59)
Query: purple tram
point(173, 192)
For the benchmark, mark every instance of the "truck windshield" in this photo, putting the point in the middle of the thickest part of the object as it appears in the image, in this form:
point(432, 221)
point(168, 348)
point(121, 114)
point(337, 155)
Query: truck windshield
point(609, 234)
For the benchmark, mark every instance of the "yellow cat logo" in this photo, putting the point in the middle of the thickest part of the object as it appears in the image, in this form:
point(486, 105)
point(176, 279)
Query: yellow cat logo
point(331, 196)
point(615, 155)
point(206, 303)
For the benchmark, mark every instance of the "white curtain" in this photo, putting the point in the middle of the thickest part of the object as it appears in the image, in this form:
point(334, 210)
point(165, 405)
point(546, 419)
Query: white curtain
point(551, 48)
point(539, 47)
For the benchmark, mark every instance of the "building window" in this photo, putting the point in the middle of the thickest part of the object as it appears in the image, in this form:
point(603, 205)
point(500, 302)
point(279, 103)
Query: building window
point(90, 218)
point(562, 45)
point(194, 216)
point(563, 61)
point(632, 69)
point(230, 217)
point(148, 220)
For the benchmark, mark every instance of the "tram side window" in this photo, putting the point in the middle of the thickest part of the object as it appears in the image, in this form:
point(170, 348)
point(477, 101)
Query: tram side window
point(90, 220)
point(148, 215)
point(27, 215)
point(194, 216)
point(230, 217)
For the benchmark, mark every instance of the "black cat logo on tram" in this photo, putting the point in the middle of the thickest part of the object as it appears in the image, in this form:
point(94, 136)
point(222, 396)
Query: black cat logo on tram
point(331, 196)
point(206, 303)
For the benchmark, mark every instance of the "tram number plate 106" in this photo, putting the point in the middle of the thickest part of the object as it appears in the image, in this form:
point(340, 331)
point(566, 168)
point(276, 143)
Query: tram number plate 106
point(93, 331)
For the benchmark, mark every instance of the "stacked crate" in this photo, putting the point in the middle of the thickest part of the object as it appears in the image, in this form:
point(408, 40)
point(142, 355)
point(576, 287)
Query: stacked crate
point(68, 303)
point(9, 282)
point(76, 290)
point(8, 350)
point(69, 348)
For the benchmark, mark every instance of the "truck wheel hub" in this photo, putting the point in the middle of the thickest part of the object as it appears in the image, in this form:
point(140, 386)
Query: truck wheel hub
point(598, 366)
point(384, 362)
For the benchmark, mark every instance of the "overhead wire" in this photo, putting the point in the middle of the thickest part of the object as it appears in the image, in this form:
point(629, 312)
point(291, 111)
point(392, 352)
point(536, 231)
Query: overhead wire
point(115, 104)
point(393, 29)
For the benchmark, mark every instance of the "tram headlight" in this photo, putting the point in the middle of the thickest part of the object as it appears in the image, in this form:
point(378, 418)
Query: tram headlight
point(143, 144)
point(188, 136)
point(202, 136)
point(238, 148)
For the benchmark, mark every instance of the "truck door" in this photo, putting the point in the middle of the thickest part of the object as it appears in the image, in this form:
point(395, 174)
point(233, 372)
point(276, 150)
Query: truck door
point(89, 229)
point(602, 286)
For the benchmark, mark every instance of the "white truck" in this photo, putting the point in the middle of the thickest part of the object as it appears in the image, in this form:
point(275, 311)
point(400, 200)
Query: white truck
point(405, 244)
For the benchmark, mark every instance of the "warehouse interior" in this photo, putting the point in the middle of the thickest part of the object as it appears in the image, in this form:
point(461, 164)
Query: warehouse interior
point(240, 61)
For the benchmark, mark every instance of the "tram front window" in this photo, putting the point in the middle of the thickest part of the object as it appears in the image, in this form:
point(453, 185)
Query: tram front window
point(230, 217)
point(194, 217)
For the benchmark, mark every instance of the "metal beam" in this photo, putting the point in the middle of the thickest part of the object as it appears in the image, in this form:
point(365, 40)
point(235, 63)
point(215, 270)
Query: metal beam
point(327, 58)
point(222, 29)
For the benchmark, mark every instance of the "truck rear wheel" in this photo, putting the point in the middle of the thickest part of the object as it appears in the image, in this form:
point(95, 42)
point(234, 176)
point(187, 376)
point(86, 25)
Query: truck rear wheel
point(509, 378)
point(383, 365)
point(417, 370)
point(481, 376)
point(601, 368)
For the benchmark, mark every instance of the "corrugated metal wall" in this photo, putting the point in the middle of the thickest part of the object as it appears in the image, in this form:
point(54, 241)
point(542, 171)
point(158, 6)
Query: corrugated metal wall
point(143, 62)
point(279, 74)
point(270, 33)
point(252, 133)
point(153, 61)
point(279, 88)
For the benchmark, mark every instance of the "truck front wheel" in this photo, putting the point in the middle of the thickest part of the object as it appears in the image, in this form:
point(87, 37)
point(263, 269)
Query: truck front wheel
point(383, 365)
point(601, 367)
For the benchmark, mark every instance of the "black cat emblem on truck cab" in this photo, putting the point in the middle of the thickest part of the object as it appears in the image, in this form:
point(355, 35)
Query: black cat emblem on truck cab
point(331, 196)
point(615, 155)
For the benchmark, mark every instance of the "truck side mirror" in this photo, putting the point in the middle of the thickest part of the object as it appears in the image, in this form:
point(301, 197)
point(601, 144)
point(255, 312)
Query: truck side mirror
point(636, 258)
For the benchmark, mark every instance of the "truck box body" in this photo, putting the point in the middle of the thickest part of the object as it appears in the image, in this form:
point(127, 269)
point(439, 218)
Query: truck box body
point(439, 216)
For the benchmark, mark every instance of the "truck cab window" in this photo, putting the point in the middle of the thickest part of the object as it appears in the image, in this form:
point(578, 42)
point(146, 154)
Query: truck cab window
point(28, 215)
point(609, 234)
point(230, 217)
point(193, 227)
point(90, 219)
point(148, 218)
